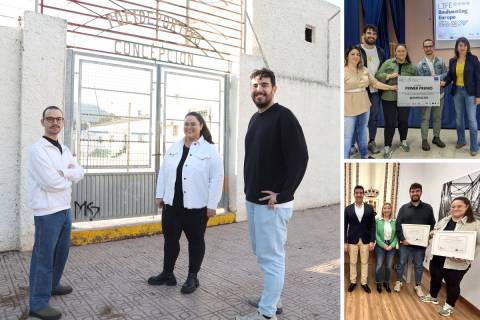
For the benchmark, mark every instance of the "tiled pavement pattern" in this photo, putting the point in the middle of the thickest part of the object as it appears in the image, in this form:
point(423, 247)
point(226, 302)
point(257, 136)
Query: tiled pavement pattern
point(109, 279)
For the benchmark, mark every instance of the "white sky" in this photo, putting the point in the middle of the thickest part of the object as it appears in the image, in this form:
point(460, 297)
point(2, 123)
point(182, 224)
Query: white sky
point(338, 3)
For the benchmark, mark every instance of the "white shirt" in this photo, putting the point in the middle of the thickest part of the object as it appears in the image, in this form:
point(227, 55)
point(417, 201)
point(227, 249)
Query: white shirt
point(202, 175)
point(48, 191)
point(387, 230)
point(359, 211)
point(373, 62)
point(430, 65)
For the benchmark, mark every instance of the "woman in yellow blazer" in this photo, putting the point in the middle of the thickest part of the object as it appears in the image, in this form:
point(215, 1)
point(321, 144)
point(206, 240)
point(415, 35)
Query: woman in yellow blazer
point(385, 246)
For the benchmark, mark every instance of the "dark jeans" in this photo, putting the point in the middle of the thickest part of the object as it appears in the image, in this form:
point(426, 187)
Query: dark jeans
point(418, 254)
point(49, 256)
point(394, 116)
point(384, 259)
point(372, 121)
point(452, 280)
point(194, 223)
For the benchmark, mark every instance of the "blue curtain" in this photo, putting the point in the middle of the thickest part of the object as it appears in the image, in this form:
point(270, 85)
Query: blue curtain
point(398, 15)
point(352, 23)
point(375, 12)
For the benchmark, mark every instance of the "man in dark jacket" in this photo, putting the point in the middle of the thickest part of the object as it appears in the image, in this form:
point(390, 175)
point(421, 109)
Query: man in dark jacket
point(372, 59)
point(359, 237)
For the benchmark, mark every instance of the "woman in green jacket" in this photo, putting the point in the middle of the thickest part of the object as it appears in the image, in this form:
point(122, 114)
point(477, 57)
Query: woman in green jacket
point(388, 73)
point(386, 242)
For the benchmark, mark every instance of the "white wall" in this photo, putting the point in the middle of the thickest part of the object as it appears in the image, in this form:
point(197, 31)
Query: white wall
point(432, 176)
point(305, 85)
point(33, 70)
point(10, 40)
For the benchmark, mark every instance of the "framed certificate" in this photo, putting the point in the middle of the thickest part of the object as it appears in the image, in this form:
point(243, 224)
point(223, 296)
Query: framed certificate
point(454, 244)
point(416, 234)
point(418, 91)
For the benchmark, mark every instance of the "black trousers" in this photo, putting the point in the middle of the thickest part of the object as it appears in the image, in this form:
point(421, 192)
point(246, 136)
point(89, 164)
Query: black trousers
point(194, 223)
point(394, 116)
point(452, 279)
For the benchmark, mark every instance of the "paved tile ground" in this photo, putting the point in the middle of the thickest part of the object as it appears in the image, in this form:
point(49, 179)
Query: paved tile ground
point(109, 279)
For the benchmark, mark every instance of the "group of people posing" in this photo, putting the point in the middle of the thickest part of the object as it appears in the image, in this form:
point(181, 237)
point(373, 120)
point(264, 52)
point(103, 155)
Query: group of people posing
point(370, 81)
point(189, 187)
point(367, 231)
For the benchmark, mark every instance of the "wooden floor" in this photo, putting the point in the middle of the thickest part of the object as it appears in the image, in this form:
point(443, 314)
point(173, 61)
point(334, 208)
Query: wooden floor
point(404, 305)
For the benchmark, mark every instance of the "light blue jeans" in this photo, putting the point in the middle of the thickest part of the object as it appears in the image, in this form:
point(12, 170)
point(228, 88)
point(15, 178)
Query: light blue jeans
point(356, 125)
point(49, 256)
point(268, 235)
point(463, 102)
point(418, 254)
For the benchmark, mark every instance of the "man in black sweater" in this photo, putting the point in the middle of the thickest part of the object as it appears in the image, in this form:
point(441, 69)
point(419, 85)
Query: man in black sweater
point(414, 212)
point(275, 162)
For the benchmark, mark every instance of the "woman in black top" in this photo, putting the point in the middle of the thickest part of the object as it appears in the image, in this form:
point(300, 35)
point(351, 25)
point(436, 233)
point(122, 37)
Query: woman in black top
point(189, 187)
point(451, 269)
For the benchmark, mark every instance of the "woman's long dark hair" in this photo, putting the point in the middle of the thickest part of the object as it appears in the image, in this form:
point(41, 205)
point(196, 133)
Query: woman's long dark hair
point(465, 42)
point(205, 133)
point(407, 58)
point(469, 212)
point(350, 49)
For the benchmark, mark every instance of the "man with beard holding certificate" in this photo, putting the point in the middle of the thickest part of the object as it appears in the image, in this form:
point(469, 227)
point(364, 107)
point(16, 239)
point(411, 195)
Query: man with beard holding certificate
point(414, 212)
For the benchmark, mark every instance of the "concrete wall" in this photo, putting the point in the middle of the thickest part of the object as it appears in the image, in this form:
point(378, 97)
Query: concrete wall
point(432, 176)
point(308, 76)
point(33, 64)
point(10, 44)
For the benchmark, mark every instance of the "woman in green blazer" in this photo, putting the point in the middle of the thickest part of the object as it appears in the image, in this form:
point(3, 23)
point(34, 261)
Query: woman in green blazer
point(388, 73)
point(385, 246)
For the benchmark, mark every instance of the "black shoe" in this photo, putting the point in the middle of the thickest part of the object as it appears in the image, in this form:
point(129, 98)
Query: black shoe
point(351, 287)
point(379, 288)
point(167, 278)
point(61, 290)
point(386, 285)
point(48, 313)
point(191, 284)
point(366, 288)
point(438, 142)
point(425, 145)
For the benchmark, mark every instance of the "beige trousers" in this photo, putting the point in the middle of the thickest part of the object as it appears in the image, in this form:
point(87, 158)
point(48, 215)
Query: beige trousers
point(353, 250)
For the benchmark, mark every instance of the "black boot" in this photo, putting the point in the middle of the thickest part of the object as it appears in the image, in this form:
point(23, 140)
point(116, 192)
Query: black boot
point(387, 287)
point(379, 287)
point(167, 278)
point(191, 284)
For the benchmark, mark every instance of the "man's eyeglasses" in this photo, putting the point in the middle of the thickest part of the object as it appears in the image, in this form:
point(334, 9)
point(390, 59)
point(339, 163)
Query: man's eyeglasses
point(53, 119)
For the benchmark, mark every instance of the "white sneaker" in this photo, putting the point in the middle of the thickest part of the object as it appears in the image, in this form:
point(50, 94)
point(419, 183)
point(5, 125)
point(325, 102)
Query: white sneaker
point(254, 301)
point(446, 311)
point(419, 291)
point(254, 316)
point(398, 286)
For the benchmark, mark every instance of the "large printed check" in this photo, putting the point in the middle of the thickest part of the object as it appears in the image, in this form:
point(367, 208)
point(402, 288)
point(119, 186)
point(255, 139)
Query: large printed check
point(418, 91)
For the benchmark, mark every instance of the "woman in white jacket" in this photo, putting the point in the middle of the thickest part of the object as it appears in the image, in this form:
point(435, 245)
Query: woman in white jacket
point(189, 187)
point(451, 270)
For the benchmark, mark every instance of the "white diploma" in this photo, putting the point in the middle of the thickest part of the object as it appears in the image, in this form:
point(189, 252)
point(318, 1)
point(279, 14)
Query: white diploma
point(454, 244)
point(418, 91)
point(416, 234)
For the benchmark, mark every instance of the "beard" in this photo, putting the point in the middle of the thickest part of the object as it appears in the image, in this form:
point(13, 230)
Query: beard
point(370, 41)
point(261, 104)
point(415, 198)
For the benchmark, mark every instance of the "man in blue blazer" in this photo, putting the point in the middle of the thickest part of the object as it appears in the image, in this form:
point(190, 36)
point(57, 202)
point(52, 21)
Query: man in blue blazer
point(359, 237)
